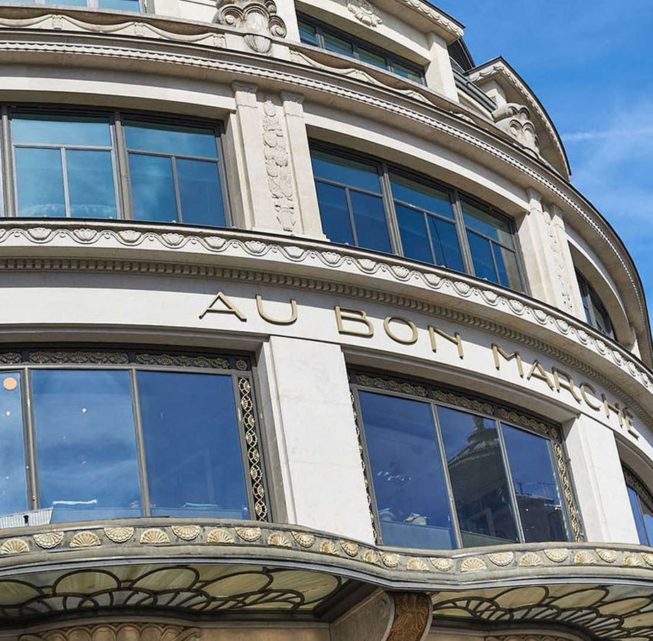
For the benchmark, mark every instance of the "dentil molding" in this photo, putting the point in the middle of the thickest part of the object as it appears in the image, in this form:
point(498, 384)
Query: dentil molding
point(117, 632)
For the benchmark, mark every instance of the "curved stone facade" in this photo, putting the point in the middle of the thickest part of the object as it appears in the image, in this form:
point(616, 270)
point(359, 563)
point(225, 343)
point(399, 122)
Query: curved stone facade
point(306, 335)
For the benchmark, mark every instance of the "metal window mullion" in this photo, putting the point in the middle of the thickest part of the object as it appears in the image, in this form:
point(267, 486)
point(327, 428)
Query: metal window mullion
point(140, 444)
point(352, 220)
point(461, 232)
point(458, 535)
point(8, 190)
point(222, 177)
point(122, 160)
point(66, 192)
point(429, 237)
point(30, 441)
point(494, 262)
point(175, 183)
point(511, 487)
point(335, 183)
point(392, 221)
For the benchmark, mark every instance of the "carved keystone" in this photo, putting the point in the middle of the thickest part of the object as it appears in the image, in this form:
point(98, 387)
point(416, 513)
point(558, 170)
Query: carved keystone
point(257, 17)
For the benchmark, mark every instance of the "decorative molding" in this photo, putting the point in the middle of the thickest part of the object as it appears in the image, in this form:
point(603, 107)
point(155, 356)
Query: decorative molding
point(413, 616)
point(365, 12)
point(113, 632)
point(516, 121)
point(277, 166)
point(258, 18)
point(527, 637)
point(431, 13)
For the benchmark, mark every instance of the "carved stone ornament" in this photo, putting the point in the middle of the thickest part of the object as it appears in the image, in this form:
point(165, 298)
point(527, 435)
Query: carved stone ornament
point(257, 17)
point(413, 616)
point(122, 631)
point(365, 12)
point(515, 120)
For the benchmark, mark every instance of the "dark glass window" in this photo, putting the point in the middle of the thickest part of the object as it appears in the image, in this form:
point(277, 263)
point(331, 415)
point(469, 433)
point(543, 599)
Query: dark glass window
point(70, 166)
point(318, 34)
point(115, 5)
point(595, 312)
point(366, 203)
point(133, 435)
point(444, 477)
point(641, 503)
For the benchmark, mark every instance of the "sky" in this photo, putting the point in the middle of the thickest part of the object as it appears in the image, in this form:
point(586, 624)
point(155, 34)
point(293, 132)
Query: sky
point(589, 62)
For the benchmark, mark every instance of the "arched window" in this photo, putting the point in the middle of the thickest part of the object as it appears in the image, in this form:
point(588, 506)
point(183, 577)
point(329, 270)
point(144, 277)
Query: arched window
point(595, 312)
point(641, 503)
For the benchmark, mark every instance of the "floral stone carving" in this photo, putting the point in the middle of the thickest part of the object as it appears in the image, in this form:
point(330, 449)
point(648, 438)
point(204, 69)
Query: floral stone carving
point(257, 17)
point(365, 12)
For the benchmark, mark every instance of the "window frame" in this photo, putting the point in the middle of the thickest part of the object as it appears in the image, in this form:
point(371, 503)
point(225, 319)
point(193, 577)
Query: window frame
point(119, 155)
point(443, 396)
point(238, 366)
point(356, 43)
point(643, 496)
point(591, 302)
point(456, 198)
point(91, 4)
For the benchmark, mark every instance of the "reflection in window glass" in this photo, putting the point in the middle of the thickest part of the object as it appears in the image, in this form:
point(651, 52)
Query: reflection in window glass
point(536, 488)
point(91, 189)
point(13, 487)
point(85, 444)
point(641, 504)
point(595, 312)
point(406, 468)
point(153, 188)
point(478, 478)
point(39, 182)
point(190, 423)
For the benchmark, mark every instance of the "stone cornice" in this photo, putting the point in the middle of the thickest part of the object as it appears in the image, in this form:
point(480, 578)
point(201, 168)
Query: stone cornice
point(438, 121)
point(256, 257)
point(436, 17)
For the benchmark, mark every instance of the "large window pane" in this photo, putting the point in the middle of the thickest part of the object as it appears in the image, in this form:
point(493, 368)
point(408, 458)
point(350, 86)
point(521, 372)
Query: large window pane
point(536, 487)
point(478, 478)
point(152, 186)
point(120, 5)
point(409, 485)
point(13, 490)
point(414, 237)
point(481, 250)
point(488, 224)
point(334, 213)
point(85, 444)
point(176, 141)
point(445, 243)
point(39, 182)
point(192, 445)
point(635, 506)
point(90, 184)
point(371, 225)
point(200, 192)
point(345, 171)
point(421, 196)
point(60, 130)
point(339, 45)
point(506, 261)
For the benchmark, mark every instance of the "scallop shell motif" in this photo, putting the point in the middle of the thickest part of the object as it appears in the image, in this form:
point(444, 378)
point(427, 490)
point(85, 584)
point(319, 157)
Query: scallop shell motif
point(351, 549)
point(220, 536)
point(14, 546)
point(557, 555)
point(390, 560)
point(442, 565)
point(648, 559)
point(154, 536)
point(372, 557)
point(609, 556)
point(473, 564)
point(502, 559)
point(119, 534)
point(186, 532)
point(417, 565)
point(304, 539)
point(584, 558)
point(631, 560)
point(530, 560)
point(249, 534)
point(48, 540)
point(329, 547)
point(279, 539)
point(85, 540)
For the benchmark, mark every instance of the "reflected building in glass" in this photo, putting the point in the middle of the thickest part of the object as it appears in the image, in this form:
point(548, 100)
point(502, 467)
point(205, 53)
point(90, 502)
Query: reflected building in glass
point(307, 336)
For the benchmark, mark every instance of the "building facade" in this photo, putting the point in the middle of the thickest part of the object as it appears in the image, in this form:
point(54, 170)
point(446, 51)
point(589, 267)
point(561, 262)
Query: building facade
point(306, 336)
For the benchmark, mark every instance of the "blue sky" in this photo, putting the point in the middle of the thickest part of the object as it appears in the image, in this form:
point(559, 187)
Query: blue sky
point(589, 62)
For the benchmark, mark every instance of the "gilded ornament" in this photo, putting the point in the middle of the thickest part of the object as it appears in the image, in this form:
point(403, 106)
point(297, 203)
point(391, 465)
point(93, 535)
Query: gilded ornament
point(186, 532)
point(279, 539)
point(609, 556)
point(442, 565)
point(304, 539)
point(249, 534)
point(351, 549)
point(584, 557)
point(14, 546)
point(48, 540)
point(390, 560)
point(329, 547)
point(371, 556)
point(472, 564)
point(417, 565)
point(119, 534)
point(154, 536)
point(557, 555)
point(530, 560)
point(502, 559)
point(219, 536)
point(85, 540)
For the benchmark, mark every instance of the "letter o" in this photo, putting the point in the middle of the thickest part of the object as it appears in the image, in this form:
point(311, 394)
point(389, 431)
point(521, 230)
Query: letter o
point(397, 319)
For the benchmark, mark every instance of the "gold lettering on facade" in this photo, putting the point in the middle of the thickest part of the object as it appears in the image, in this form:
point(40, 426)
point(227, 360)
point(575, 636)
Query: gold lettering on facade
point(353, 316)
point(591, 400)
point(562, 380)
point(453, 338)
point(508, 356)
point(614, 407)
point(537, 371)
point(277, 321)
point(228, 308)
point(387, 326)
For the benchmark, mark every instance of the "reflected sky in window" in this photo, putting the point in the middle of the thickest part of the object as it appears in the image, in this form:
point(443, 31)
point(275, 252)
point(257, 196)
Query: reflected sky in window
point(13, 490)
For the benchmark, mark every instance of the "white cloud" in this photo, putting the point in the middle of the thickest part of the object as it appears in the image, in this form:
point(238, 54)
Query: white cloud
point(609, 134)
